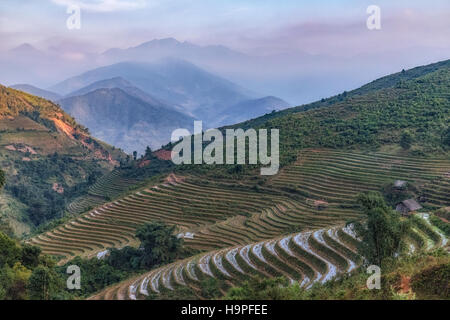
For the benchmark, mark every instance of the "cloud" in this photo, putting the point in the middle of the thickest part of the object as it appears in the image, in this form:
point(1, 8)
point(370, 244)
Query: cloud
point(103, 5)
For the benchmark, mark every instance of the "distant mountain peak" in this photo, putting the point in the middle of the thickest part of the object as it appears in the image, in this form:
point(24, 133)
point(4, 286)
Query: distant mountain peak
point(165, 42)
point(126, 117)
point(25, 48)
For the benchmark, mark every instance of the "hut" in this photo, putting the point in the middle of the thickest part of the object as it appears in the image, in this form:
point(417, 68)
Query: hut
point(408, 207)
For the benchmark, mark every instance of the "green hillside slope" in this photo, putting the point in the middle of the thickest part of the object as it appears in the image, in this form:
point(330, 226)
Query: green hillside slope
point(47, 157)
point(414, 102)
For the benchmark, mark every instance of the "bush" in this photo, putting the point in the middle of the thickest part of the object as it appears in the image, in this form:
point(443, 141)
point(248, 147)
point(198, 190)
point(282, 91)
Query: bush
point(432, 282)
point(445, 227)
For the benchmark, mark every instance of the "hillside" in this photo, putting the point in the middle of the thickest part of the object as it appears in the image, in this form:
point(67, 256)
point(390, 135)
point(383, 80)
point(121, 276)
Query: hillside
point(250, 109)
point(37, 91)
point(414, 102)
point(308, 259)
point(124, 120)
point(295, 224)
point(47, 157)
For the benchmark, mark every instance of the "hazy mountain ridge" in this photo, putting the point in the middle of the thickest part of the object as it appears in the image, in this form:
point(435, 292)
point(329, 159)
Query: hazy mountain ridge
point(176, 84)
point(124, 120)
point(250, 109)
point(177, 91)
point(120, 83)
point(36, 91)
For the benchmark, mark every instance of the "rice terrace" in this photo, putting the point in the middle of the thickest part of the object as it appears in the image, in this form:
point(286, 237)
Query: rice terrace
point(165, 169)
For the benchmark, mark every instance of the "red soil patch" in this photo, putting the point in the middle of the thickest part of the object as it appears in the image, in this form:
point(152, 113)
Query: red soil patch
point(163, 154)
point(404, 284)
point(173, 179)
point(143, 163)
point(23, 149)
point(57, 188)
point(320, 203)
point(7, 117)
point(64, 127)
point(26, 149)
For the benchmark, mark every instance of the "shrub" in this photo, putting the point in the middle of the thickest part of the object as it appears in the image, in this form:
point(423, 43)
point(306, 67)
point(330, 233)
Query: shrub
point(432, 282)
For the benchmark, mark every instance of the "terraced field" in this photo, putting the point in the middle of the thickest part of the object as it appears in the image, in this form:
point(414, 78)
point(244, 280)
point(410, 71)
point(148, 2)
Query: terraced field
point(437, 193)
point(315, 193)
point(190, 205)
point(337, 177)
point(306, 258)
point(107, 187)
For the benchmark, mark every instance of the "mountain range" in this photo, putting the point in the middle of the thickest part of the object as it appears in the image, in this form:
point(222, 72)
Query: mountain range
point(174, 81)
point(296, 76)
point(123, 119)
point(133, 104)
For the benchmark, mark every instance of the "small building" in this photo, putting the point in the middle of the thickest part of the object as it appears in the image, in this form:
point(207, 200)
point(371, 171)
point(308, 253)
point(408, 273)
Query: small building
point(399, 184)
point(408, 207)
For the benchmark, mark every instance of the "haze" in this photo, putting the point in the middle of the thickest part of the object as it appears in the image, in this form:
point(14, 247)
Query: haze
point(299, 50)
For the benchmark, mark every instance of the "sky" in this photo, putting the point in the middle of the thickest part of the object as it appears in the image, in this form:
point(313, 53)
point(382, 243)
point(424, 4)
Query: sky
point(327, 40)
point(261, 27)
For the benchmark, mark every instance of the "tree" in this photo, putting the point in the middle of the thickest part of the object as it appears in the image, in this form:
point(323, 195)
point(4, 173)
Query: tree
point(384, 236)
point(158, 244)
point(44, 283)
point(260, 289)
point(148, 152)
point(2, 178)
point(13, 282)
point(9, 251)
point(127, 258)
point(371, 200)
point(30, 256)
point(406, 140)
point(446, 137)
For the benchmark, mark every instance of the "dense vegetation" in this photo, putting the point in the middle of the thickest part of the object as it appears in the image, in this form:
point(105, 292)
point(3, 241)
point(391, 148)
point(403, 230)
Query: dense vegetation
point(410, 109)
point(25, 273)
point(34, 185)
point(48, 160)
point(383, 234)
point(158, 246)
point(413, 104)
